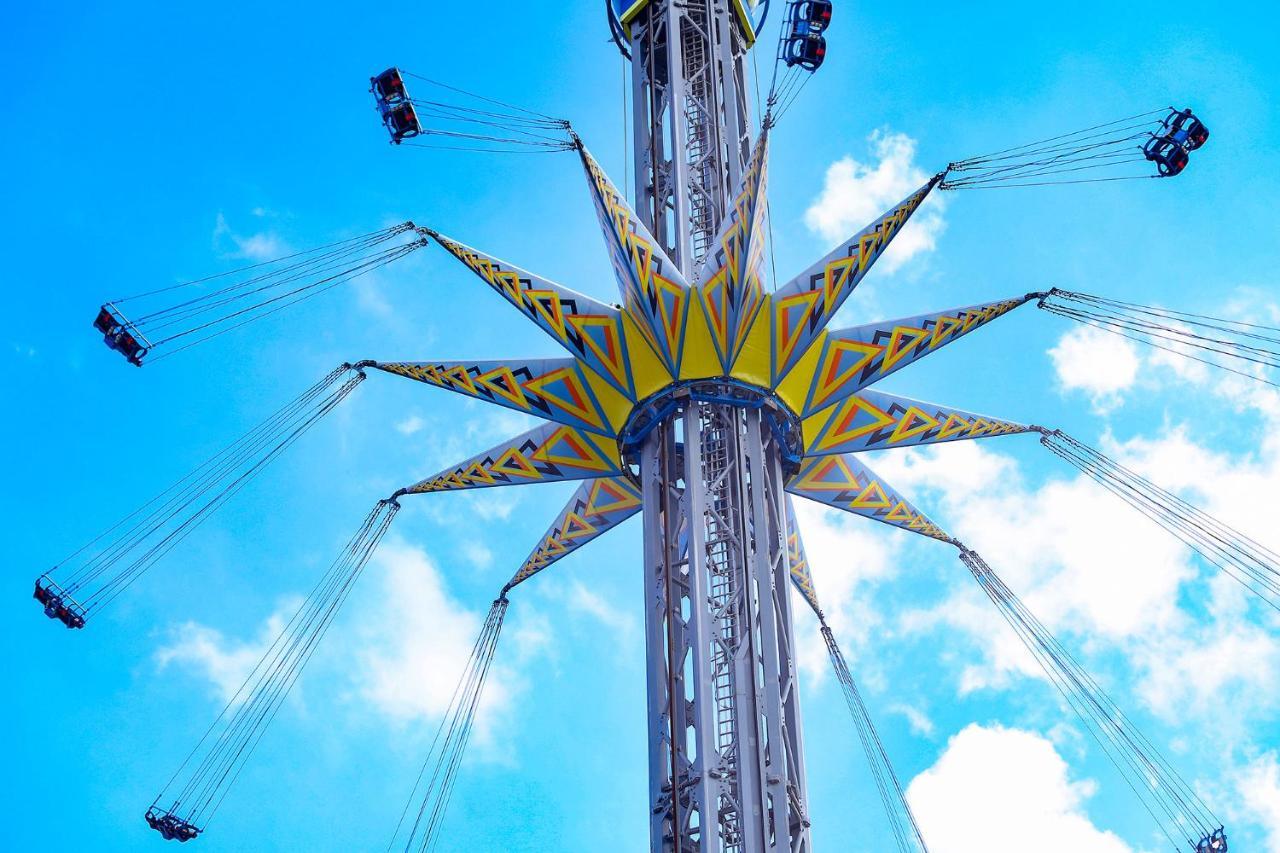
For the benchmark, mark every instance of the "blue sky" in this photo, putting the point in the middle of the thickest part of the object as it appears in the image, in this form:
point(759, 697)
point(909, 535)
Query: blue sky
point(147, 144)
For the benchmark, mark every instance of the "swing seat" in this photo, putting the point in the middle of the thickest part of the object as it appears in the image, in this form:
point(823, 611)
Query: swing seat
point(806, 51)
point(106, 322)
point(388, 88)
point(1169, 156)
point(57, 604)
point(1185, 128)
point(170, 826)
point(401, 121)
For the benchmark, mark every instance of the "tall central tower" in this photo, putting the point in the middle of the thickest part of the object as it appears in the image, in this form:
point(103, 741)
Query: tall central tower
point(726, 769)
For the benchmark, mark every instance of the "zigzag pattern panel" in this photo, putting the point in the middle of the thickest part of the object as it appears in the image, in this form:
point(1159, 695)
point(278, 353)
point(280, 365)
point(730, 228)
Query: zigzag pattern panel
point(589, 329)
point(653, 289)
point(852, 359)
point(596, 507)
point(798, 561)
point(554, 389)
point(545, 454)
point(803, 307)
point(845, 483)
point(870, 420)
point(729, 282)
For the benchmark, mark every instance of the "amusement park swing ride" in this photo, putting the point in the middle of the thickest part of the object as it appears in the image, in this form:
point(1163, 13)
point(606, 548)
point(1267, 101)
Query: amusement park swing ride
point(704, 402)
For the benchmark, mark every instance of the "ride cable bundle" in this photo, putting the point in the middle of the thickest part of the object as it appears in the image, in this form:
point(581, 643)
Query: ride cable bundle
point(91, 578)
point(1245, 560)
point(216, 304)
point(906, 832)
point(216, 761)
point(702, 345)
point(1103, 152)
point(1172, 803)
point(802, 48)
point(450, 742)
point(461, 120)
point(1252, 347)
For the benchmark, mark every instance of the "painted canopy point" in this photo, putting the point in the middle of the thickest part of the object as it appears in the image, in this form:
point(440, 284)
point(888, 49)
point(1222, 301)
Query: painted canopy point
point(672, 333)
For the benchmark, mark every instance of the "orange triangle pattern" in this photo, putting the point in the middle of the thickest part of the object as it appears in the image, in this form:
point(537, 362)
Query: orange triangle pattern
point(854, 358)
point(542, 455)
point(831, 284)
point(559, 312)
point(847, 484)
point(555, 389)
point(653, 290)
point(731, 291)
point(798, 561)
point(871, 420)
point(595, 508)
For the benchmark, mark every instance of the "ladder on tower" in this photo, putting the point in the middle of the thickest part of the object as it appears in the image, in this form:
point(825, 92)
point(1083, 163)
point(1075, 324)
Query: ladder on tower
point(700, 132)
point(718, 450)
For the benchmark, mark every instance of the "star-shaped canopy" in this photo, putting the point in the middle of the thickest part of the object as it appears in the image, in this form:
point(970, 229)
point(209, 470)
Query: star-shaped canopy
point(723, 324)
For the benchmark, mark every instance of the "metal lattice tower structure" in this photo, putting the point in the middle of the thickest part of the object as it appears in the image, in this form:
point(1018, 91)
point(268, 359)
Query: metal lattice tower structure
point(723, 707)
point(704, 400)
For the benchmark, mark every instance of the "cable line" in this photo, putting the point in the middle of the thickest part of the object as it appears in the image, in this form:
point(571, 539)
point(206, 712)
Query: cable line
point(1183, 817)
point(906, 831)
point(1164, 138)
point(1245, 560)
point(1253, 348)
point(802, 48)
point(255, 291)
point(455, 114)
point(432, 790)
point(100, 570)
point(212, 767)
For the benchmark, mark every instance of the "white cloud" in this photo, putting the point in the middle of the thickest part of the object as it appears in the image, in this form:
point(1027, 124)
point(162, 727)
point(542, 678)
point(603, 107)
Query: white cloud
point(1258, 785)
point(262, 246)
point(582, 600)
point(410, 425)
point(1101, 364)
point(414, 654)
point(1091, 567)
point(917, 719)
point(998, 790)
point(846, 555)
point(855, 194)
point(477, 553)
point(224, 662)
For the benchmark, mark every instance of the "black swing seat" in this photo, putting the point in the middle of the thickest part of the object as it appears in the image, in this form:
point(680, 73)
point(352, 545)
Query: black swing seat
point(58, 604)
point(170, 826)
point(806, 51)
point(1170, 157)
point(1215, 842)
point(804, 44)
point(1185, 128)
point(106, 322)
point(388, 87)
point(120, 335)
point(401, 121)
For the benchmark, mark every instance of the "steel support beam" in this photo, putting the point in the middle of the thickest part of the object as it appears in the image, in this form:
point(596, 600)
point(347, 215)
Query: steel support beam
point(692, 127)
point(726, 766)
point(719, 637)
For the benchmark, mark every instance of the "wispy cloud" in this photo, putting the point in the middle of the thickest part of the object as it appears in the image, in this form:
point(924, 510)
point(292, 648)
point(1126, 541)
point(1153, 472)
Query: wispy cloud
point(258, 246)
point(223, 661)
point(580, 599)
point(410, 425)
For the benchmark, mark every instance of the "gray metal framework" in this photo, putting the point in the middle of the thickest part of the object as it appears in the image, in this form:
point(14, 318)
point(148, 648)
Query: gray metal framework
point(692, 128)
point(724, 717)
